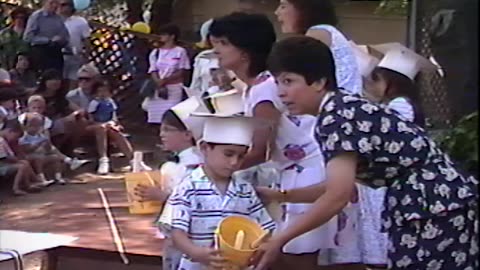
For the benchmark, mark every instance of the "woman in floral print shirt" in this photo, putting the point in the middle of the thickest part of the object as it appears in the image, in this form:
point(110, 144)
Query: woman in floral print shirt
point(430, 214)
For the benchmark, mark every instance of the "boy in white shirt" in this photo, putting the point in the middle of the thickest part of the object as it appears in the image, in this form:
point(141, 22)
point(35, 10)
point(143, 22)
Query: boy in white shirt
point(210, 193)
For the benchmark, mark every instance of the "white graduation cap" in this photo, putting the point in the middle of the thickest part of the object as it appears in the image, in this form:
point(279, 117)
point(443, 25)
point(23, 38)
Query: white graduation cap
point(366, 62)
point(221, 129)
point(184, 111)
point(228, 103)
point(401, 59)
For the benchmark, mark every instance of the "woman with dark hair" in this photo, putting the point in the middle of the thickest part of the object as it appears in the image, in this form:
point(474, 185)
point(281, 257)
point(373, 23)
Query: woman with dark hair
point(11, 38)
point(243, 42)
point(431, 205)
point(317, 19)
point(167, 69)
point(23, 73)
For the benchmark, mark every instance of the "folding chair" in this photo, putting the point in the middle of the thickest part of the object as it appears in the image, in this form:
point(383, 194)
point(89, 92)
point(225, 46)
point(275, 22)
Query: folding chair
point(16, 256)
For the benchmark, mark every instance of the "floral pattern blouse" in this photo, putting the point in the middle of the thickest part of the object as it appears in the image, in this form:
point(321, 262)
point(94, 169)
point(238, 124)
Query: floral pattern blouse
point(423, 182)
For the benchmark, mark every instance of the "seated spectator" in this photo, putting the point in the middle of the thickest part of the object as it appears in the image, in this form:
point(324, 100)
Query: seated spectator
point(104, 123)
point(4, 76)
point(52, 88)
point(39, 149)
point(8, 97)
point(24, 176)
point(37, 104)
point(23, 75)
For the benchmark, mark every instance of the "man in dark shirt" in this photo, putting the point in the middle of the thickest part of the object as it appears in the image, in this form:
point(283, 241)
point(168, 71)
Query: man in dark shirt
point(47, 35)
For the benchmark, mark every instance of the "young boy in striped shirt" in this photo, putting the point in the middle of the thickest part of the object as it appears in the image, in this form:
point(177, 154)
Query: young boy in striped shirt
point(210, 193)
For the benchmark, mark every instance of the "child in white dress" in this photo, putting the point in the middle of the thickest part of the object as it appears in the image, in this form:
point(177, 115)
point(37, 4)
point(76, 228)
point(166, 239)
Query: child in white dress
point(388, 82)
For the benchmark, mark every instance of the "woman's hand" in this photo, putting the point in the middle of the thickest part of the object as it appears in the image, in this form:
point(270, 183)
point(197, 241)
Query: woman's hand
point(149, 193)
point(268, 195)
point(267, 254)
point(208, 257)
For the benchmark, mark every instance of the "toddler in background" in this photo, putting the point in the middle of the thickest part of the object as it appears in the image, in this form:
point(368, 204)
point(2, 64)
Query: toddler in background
point(102, 108)
point(39, 149)
point(37, 104)
point(24, 178)
point(8, 103)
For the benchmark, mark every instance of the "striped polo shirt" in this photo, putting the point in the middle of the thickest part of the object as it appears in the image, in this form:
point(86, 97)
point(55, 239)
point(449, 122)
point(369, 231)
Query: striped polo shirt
point(198, 207)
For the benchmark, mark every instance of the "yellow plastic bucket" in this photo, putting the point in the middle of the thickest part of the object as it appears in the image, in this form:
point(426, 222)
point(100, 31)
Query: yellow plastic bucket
point(132, 180)
point(226, 236)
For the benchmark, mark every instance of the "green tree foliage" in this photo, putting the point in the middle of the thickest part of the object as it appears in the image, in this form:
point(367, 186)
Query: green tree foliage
point(462, 143)
point(395, 7)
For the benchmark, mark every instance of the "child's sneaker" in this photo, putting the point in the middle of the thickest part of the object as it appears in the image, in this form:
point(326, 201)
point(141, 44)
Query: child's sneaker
point(103, 166)
point(61, 181)
point(43, 181)
point(76, 163)
point(46, 183)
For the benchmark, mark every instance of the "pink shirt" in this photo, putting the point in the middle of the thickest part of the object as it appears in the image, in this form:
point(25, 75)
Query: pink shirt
point(166, 61)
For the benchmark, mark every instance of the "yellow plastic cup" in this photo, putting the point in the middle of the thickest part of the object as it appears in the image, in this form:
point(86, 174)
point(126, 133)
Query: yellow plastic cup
point(226, 235)
point(136, 207)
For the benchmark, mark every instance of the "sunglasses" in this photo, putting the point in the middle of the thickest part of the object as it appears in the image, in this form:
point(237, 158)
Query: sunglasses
point(84, 79)
point(65, 4)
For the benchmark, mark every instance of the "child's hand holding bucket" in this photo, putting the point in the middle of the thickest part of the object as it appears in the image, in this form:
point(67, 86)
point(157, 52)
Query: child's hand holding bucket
point(209, 257)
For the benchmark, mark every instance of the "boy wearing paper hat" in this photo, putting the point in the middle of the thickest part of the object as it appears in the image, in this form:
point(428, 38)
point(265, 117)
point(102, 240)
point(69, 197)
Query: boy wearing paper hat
point(210, 193)
point(179, 133)
point(392, 81)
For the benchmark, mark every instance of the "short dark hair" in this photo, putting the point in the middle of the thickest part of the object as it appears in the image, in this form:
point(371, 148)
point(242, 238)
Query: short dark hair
point(305, 56)
point(252, 33)
point(171, 119)
point(169, 29)
point(103, 81)
point(20, 11)
point(314, 12)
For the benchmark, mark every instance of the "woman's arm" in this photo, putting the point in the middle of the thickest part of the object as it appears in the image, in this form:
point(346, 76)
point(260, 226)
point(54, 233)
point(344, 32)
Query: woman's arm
point(264, 135)
point(338, 190)
point(299, 195)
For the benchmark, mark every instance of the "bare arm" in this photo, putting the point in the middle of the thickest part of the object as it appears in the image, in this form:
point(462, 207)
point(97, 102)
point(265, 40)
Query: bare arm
point(204, 255)
point(264, 136)
point(322, 35)
point(183, 243)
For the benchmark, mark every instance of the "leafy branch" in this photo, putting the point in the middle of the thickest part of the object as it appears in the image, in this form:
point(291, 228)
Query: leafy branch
point(393, 7)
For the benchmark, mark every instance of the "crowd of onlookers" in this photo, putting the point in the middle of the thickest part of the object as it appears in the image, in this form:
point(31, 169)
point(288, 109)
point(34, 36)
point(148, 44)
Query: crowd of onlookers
point(51, 100)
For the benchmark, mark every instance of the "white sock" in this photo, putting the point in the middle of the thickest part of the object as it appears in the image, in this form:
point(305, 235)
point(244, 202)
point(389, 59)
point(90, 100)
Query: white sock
point(42, 177)
point(68, 160)
point(58, 176)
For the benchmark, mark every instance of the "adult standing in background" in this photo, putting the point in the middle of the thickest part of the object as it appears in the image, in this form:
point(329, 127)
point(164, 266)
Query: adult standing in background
point(79, 31)
point(318, 19)
point(47, 35)
point(11, 38)
point(167, 69)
